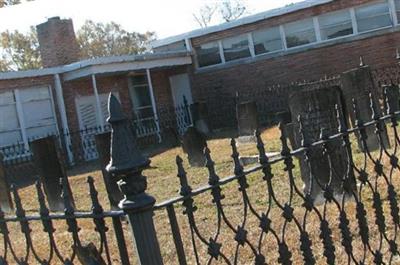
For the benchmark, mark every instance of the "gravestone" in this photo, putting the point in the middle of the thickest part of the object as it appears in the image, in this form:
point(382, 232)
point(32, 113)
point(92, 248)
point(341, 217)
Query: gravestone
point(358, 84)
point(103, 143)
point(393, 97)
point(5, 195)
point(317, 110)
point(193, 145)
point(200, 117)
point(51, 169)
point(247, 118)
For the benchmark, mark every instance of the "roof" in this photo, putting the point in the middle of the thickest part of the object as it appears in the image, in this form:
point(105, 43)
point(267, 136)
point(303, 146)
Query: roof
point(240, 22)
point(144, 60)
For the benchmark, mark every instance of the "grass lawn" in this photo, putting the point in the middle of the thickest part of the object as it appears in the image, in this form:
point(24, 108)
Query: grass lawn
point(164, 184)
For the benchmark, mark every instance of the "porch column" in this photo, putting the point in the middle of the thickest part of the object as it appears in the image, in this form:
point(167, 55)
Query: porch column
point(98, 104)
point(63, 116)
point(153, 104)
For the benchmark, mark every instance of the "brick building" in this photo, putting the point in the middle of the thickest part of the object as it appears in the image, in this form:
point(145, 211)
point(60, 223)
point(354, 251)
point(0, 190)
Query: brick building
point(306, 40)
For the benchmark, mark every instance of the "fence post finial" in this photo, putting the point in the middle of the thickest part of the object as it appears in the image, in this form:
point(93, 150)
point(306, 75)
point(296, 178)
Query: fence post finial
point(126, 165)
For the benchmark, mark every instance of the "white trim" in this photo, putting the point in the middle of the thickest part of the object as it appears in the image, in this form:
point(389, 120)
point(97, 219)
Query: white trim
point(283, 37)
point(251, 44)
point(393, 12)
point(103, 61)
point(63, 114)
point(221, 51)
point(21, 119)
point(188, 44)
point(354, 20)
point(317, 29)
point(99, 112)
point(125, 67)
point(153, 103)
point(243, 21)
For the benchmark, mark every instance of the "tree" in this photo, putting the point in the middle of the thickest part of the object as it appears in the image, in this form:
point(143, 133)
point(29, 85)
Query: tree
point(232, 9)
point(227, 10)
point(19, 51)
point(4, 3)
point(205, 15)
point(99, 39)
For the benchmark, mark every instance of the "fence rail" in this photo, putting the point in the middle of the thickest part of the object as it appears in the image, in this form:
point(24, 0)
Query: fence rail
point(269, 219)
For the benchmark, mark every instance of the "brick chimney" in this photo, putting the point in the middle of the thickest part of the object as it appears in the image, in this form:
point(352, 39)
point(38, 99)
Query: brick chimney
point(57, 42)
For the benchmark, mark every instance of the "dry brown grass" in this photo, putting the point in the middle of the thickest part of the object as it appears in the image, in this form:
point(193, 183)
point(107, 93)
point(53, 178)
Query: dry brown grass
point(163, 184)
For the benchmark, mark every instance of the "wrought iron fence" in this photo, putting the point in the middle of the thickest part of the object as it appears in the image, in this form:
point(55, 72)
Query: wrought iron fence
point(290, 227)
point(260, 215)
point(79, 147)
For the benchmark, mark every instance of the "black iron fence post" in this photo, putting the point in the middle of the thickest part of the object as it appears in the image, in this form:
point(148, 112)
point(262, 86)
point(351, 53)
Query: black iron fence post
point(114, 194)
point(127, 165)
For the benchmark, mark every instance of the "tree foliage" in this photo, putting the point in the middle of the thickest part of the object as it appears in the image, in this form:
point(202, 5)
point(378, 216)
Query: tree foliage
point(4, 3)
point(224, 11)
point(99, 39)
point(20, 51)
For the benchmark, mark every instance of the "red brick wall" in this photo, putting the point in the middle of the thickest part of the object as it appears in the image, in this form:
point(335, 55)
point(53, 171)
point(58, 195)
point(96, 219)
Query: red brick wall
point(84, 87)
point(118, 83)
point(307, 65)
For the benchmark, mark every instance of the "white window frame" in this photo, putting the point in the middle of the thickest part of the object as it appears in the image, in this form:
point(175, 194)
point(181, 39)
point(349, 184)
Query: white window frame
point(377, 29)
point(317, 31)
point(251, 44)
point(393, 12)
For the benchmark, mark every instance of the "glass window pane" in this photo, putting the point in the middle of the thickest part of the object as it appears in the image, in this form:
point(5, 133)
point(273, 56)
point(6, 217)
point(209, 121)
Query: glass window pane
point(7, 98)
point(397, 3)
point(208, 54)
point(300, 33)
point(267, 40)
point(373, 17)
point(32, 94)
point(335, 25)
point(236, 48)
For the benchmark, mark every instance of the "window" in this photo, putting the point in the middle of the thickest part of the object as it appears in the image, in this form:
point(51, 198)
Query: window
point(300, 33)
point(142, 106)
point(26, 112)
point(141, 97)
point(372, 17)
point(208, 54)
point(335, 25)
point(236, 48)
point(397, 4)
point(267, 40)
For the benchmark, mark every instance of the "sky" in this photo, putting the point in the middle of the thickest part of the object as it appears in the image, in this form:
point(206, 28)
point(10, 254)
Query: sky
point(165, 17)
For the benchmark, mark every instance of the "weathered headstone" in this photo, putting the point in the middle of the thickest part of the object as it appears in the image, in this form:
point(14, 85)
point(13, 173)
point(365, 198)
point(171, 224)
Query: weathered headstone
point(5, 196)
point(51, 169)
point(358, 84)
point(103, 143)
point(200, 117)
point(89, 255)
point(317, 109)
point(193, 145)
point(392, 97)
point(247, 118)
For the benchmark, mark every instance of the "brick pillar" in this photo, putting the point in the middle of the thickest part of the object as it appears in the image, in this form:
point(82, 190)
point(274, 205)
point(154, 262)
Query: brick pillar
point(57, 42)
point(358, 84)
point(317, 110)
